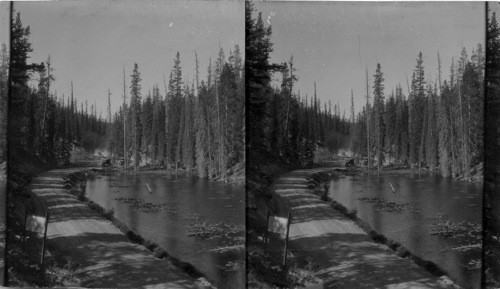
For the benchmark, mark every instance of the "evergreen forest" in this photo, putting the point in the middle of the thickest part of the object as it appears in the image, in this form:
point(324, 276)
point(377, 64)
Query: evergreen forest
point(195, 125)
point(4, 69)
point(491, 200)
point(435, 123)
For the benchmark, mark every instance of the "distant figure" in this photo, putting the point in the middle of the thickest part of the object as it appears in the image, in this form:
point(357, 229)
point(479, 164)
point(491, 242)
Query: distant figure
point(106, 163)
point(350, 163)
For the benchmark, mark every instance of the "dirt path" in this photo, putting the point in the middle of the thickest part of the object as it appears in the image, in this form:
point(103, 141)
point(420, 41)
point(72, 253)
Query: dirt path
point(106, 257)
point(346, 255)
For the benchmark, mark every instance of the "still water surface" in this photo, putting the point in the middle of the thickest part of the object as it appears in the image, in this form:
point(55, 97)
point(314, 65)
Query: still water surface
point(185, 200)
point(430, 199)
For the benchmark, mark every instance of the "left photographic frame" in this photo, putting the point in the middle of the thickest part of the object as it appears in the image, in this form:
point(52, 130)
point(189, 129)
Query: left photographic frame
point(4, 75)
point(126, 145)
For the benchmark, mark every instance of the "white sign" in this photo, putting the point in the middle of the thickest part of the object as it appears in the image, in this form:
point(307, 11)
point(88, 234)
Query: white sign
point(277, 224)
point(35, 223)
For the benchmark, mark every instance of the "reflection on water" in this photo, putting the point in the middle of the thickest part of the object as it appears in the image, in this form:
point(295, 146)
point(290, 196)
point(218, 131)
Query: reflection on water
point(430, 199)
point(185, 199)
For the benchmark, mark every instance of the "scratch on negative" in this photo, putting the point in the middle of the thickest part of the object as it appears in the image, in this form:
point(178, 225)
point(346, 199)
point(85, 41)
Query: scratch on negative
point(415, 31)
point(269, 17)
point(380, 20)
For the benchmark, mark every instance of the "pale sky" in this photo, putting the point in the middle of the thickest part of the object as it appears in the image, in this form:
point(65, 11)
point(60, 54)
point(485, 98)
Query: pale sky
point(495, 7)
point(4, 22)
point(90, 42)
point(333, 43)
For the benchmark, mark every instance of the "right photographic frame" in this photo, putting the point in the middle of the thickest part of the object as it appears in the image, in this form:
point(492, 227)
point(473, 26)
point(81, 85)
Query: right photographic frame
point(491, 234)
point(367, 144)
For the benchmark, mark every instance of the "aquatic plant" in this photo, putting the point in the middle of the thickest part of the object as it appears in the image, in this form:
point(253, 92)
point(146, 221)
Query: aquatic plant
point(468, 247)
point(231, 266)
point(206, 230)
point(392, 207)
point(372, 199)
point(147, 207)
point(138, 205)
point(384, 206)
point(448, 229)
point(128, 200)
point(475, 264)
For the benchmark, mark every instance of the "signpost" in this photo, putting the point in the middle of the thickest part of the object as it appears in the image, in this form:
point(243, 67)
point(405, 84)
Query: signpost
point(286, 240)
point(37, 224)
point(281, 226)
point(267, 231)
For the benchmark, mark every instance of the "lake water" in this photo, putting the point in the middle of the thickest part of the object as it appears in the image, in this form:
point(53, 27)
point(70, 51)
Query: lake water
point(424, 200)
point(182, 201)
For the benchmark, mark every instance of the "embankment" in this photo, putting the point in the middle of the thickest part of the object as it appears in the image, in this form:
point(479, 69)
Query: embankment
point(320, 183)
point(76, 182)
point(105, 256)
point(345, 251)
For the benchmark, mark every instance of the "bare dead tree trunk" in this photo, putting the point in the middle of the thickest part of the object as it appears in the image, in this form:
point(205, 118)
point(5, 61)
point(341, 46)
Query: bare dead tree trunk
point(167, 147)
point(124, 123)
point(46, 97)
point(289, 99)
point(464, 144)
point(367, 120)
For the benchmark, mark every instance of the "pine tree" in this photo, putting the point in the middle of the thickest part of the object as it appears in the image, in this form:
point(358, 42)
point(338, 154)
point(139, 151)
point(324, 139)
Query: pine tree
point(416, 110)
point(135, 106)
point(202, 141)
point(473, 93)
point(188, 138)
point(378, 111)
point(19, 72)
point(491, 148)
point(147, 114)
point(4, 83)
point(258, 71)
point(352, 127)
point(390, 126)
point(431, 138)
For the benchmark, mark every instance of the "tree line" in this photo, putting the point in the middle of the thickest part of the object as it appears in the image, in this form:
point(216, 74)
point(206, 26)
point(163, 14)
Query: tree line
point(194, 125)
point(284, 125)
point(491, 200)
point(438, 124)
point(4, 92)
point(42, 126)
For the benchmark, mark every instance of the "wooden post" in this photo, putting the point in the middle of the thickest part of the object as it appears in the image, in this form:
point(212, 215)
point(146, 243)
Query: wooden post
point(266, 240)
point(286, 239)
point(393, 190)
point(44, 237)
point(24, 231)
